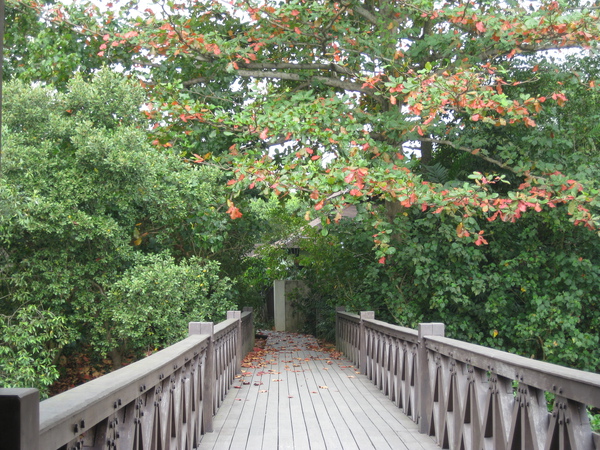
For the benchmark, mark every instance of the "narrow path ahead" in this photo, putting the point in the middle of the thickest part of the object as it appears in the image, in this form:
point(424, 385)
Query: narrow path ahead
point(296, 395)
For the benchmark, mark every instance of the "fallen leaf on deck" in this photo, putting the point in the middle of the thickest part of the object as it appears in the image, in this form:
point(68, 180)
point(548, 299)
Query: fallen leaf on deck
point(263, 391)
point(323, 387)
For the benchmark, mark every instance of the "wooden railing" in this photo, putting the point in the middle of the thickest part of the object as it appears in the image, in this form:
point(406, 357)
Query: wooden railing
point(468, 396)
point(164, 401)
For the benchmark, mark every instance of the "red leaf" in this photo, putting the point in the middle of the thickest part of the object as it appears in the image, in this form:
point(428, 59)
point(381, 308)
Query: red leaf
point(480, 239)
point(382, 260)
point(263, 135)
point(234, 212)
point(480, 27)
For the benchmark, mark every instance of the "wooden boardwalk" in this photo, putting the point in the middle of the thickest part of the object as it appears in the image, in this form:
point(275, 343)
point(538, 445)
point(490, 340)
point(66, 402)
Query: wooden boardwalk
point(296, 395)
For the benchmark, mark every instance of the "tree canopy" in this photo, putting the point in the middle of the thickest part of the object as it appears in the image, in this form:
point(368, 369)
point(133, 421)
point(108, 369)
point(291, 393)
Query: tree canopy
point(465, 133)
point(330, 97)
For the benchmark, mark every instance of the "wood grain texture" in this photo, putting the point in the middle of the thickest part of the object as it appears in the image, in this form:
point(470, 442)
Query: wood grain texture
point(297, 395)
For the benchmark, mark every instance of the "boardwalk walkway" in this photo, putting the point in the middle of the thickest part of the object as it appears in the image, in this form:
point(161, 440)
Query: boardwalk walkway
point(296, 395)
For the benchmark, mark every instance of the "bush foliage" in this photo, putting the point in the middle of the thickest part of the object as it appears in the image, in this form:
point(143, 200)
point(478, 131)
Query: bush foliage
point(103, 240)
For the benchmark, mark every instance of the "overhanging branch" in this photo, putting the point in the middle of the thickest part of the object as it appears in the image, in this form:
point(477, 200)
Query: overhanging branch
point(470, 151)
point(279, 75)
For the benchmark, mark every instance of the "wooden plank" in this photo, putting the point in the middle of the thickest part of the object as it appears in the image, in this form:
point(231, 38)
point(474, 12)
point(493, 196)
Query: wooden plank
point(286, 434)
point(307, 400)
point(360, 412)
point(377, 413)
point(271, 429)
point(248, 399)
point(333, 428)
point(390, 414)
point(234, 405)
point(360, 438)
point(307, 411)
point(261, 394)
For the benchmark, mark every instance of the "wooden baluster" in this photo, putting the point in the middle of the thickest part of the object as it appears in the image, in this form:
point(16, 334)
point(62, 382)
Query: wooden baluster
point(208, 375)
point(424, 380)
point(363, 341)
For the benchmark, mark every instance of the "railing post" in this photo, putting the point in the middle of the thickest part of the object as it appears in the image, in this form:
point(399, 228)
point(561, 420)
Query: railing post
point(210, 376)
point(238, 346)
point(248, 345)
point(423, 379)
point(337, 327)
point(363, 340)
point(19, 419)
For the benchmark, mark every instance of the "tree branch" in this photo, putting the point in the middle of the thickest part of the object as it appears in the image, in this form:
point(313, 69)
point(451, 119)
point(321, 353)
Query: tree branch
point(470, 151)
point(278, 75)
point(365, 14)
point(285, 66)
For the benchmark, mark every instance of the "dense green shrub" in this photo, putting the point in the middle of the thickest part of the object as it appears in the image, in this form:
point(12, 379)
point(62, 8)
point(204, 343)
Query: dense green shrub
point(99, 231)
point(533, 289)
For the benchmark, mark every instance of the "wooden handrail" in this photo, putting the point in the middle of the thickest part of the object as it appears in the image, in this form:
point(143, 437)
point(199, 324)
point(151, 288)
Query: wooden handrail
point(165, 400)
point(469, 396)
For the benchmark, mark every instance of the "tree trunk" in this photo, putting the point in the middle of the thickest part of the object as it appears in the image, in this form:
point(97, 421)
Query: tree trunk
point(116, 354)
point(426, 152)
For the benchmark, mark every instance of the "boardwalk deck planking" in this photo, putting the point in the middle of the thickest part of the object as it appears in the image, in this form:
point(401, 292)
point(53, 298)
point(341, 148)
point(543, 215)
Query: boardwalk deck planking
point(298, 397)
